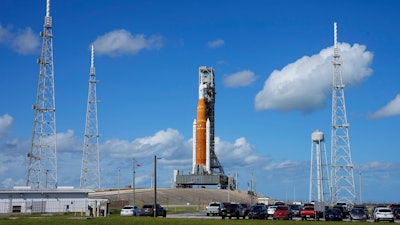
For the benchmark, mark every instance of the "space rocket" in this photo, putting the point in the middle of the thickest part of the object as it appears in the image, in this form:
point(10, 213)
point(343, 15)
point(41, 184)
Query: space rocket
point(201, 137)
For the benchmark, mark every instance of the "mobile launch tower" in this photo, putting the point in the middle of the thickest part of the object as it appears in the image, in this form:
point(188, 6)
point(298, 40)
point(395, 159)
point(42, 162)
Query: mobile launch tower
point(319, 173)
point(342, 168)
point(90, 173)
point(206, 169)
point(42, 157)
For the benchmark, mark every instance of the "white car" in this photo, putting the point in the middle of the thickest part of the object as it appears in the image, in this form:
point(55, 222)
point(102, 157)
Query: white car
point(130, 210)
point(383, 213)
point(271, 210)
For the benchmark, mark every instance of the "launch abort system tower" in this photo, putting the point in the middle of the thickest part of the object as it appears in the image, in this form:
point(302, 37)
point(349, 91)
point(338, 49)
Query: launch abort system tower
point(206, 169)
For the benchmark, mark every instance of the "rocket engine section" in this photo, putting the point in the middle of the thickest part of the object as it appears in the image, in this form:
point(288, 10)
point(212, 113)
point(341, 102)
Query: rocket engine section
point(201, 138)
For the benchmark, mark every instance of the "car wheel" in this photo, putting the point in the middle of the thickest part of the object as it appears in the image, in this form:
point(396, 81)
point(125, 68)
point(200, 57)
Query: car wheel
point(223, 217)
point(208, 214)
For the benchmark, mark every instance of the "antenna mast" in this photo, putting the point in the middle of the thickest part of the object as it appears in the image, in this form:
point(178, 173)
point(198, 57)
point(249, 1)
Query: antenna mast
point(90, 173)
point(42, 157)
point(342, 168)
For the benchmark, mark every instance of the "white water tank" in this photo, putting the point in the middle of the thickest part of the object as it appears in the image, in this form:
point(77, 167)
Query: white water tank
point(317, 136)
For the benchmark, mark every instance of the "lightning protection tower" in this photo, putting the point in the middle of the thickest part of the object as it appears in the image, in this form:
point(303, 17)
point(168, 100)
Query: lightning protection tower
point(42, 158)
point(206, 78)
point(342, 168)
point(90, 173)
point(319, 173)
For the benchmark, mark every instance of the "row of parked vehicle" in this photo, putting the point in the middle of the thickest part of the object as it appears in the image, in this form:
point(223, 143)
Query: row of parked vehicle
point(146, 210)
point(306, 211)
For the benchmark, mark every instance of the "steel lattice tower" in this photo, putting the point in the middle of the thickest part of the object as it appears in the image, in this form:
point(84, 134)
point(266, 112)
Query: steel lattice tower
point(90, 173)
point(342, 168)
point(42, 158)
point(206, 78)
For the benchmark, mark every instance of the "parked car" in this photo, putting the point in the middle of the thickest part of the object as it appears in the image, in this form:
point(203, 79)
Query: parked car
point(247, 207)
point(271, 210)
point(130, 210)
point(214, 208)
point(296, 210)
point(358, 214)
point(233, 210)
point(342, 209)
point(333, 214)
point(309, 212)
point(363, 207)
point(148, 210)
point(396, 213)
point(283, 212)
point(383, 214)
point(345, 206)
point(258, 212)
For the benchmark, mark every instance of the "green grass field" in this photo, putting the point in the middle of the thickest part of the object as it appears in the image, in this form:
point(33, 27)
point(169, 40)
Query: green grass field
point(118, 220)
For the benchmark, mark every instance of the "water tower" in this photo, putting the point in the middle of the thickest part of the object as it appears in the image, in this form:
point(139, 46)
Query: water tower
point(319, 174)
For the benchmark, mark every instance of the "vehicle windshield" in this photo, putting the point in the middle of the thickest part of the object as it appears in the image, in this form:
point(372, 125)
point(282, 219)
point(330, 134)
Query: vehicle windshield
point(385, 210)
point(256, 208)
point(357, 211)
point(295, 207)
point(128, 207)
point(281, 208)
point(231, 206)
point(214, 204)
point(148, 206)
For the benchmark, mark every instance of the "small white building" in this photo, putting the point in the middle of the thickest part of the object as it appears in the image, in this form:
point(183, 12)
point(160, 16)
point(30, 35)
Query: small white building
point(59, 200)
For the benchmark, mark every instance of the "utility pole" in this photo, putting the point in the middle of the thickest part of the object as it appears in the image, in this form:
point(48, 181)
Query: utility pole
point(134, 164)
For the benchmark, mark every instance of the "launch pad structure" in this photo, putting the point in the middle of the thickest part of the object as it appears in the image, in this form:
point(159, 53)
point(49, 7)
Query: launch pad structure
point(206, 168)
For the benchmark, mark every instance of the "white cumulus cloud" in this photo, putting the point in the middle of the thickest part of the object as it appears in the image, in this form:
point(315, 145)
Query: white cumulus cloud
point(304, 84)
point(239, 79)
point(5, 124)
point(216, 43)
point(121, 42)
point(24, 41)
point(240, 153)
point(168, 144)
point(391, 109)
point(67, 142)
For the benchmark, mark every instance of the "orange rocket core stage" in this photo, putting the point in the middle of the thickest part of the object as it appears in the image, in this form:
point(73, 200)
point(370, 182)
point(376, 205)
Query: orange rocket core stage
point(201, 133)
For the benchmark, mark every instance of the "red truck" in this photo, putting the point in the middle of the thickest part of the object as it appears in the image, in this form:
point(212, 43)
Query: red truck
point(309, 212)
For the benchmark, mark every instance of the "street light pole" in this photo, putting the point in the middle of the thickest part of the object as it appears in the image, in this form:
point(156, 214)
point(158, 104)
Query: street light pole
point(155, 186)
point(133, 180)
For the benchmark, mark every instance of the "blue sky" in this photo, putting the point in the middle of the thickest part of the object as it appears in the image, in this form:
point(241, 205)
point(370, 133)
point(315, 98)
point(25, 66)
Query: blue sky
point(272, 61)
